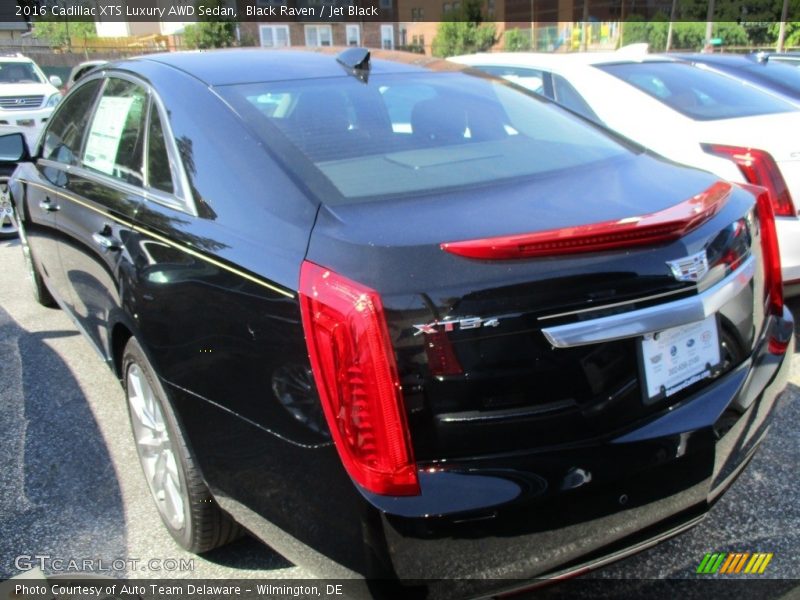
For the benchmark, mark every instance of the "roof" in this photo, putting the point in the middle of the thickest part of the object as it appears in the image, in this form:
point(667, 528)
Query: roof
point(716, 58)
point(227, 67)
point(19, 58)
point(558, 60)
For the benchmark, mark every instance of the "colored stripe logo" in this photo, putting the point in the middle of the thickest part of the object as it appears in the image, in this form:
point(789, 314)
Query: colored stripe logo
point(735, 562)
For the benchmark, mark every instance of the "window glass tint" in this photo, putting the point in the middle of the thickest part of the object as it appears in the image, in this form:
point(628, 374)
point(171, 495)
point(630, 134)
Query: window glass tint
point(159, 175)
point(400, 134)
point(62, 139)
point(697, 93)
point(568, 96)
point(115, 141)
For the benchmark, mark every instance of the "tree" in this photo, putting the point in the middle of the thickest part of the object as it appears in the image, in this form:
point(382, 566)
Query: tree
point(210, 33)
point(685, 35)
point(464, 33)
point(517, 40)
point(59, 33)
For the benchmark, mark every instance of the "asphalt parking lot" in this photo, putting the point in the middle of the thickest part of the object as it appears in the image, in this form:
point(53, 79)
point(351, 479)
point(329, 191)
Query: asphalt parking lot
point(71, 486)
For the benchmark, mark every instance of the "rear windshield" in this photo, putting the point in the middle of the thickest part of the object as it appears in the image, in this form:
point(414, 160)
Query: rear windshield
point(782, 76)
point(697, 93)
point(414, 133)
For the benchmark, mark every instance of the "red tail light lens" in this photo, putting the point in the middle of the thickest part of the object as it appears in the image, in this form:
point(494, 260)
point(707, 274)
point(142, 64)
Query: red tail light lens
point(663, 226)
point(356, 376)
point(759, 168)
point(773, 279)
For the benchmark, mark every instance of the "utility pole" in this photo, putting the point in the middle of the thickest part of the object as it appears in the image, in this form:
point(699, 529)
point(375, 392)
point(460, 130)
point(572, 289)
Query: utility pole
point(709, 25)
point(671, 23)
point(585, 27)
point(782, 26)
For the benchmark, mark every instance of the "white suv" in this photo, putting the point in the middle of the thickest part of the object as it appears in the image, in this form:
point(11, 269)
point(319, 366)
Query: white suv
point(27, 97)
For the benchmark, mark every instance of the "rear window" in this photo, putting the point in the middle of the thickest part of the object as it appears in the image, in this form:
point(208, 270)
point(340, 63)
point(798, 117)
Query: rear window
point(782, 76)
point(697, 93)
point(402, 134)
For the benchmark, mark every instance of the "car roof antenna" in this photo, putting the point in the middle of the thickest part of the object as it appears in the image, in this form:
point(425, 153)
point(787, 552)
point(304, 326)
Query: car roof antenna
point(356, 62)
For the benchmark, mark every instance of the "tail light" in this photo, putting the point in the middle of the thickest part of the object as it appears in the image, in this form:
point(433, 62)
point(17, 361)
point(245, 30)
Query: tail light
point(759, 168)
point(356, 376)
point(773, 279)
point(662, 226)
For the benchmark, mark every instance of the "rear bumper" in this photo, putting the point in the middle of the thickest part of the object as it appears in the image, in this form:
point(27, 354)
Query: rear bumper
point(562, 510)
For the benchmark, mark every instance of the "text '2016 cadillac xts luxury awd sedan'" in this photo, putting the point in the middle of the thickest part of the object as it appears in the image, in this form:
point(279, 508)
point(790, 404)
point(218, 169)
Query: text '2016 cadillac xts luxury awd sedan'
point(400, 319)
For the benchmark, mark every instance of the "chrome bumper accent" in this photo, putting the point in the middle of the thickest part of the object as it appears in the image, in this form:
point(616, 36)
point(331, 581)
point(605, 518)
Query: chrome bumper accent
point(654, 318)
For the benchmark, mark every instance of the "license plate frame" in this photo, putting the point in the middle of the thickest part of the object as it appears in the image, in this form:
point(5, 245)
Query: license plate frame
point(676, 358)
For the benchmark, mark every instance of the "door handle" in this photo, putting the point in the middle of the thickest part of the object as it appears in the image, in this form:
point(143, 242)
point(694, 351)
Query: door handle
point(103, 239)
point(47, 205)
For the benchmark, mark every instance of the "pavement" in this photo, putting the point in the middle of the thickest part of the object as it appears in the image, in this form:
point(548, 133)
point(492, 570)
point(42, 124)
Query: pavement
point(71, 485)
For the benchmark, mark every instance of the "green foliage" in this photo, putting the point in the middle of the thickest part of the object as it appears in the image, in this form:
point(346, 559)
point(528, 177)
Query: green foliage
point(210, 33)
point(791, 37)
point(59, 33)
point(685, 35)
point(517, 40)
point(464, 32)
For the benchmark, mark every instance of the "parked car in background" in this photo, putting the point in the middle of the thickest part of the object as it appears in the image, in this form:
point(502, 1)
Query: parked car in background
point(27, 96)
point(80, 70)
point(400, 320)
point(774, 76)
point(689, 114)
point(789, 58)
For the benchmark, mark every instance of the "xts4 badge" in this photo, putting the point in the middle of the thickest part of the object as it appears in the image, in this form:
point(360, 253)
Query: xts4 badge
point(468, 323)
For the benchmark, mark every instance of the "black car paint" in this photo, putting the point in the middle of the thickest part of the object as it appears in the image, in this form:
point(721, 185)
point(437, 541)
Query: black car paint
point(213, 297)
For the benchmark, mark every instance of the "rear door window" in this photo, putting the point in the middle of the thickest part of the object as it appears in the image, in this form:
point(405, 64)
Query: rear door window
point(115, 142)
point(529, 78)
point(568, 96)
point(159, 173)
point(65, 132)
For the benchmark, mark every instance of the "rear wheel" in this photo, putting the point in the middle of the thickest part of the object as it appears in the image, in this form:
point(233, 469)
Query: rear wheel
point(183, 500)
point(8, 223)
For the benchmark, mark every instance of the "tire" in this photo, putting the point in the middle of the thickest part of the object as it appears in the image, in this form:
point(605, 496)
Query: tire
point(182, 498)
point(8, 222)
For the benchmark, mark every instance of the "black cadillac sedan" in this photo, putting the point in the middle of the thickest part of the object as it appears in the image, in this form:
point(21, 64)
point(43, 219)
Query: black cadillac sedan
point(402, 320)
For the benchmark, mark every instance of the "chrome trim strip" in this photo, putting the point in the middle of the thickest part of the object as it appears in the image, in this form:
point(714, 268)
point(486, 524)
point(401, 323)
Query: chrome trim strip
point(161, 238)
point(654, 318)
point(616, 304)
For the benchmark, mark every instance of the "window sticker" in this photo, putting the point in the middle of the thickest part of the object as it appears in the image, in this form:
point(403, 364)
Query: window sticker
point(106, 133)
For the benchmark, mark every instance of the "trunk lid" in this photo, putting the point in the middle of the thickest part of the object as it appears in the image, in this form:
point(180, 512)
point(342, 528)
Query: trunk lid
point(500, 385)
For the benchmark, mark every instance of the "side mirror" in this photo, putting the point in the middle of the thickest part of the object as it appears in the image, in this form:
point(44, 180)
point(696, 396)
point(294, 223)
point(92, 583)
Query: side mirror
point(56, 81)
point(13, 149)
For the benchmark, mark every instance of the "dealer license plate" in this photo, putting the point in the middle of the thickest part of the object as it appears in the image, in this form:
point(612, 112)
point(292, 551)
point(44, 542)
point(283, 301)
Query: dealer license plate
point(676, 358)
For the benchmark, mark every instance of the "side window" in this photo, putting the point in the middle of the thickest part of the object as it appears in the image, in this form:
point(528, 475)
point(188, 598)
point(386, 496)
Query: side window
point(159, 175)
point(531, 79)
point(116, 136)
point(65, 132)
point(568, 96)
